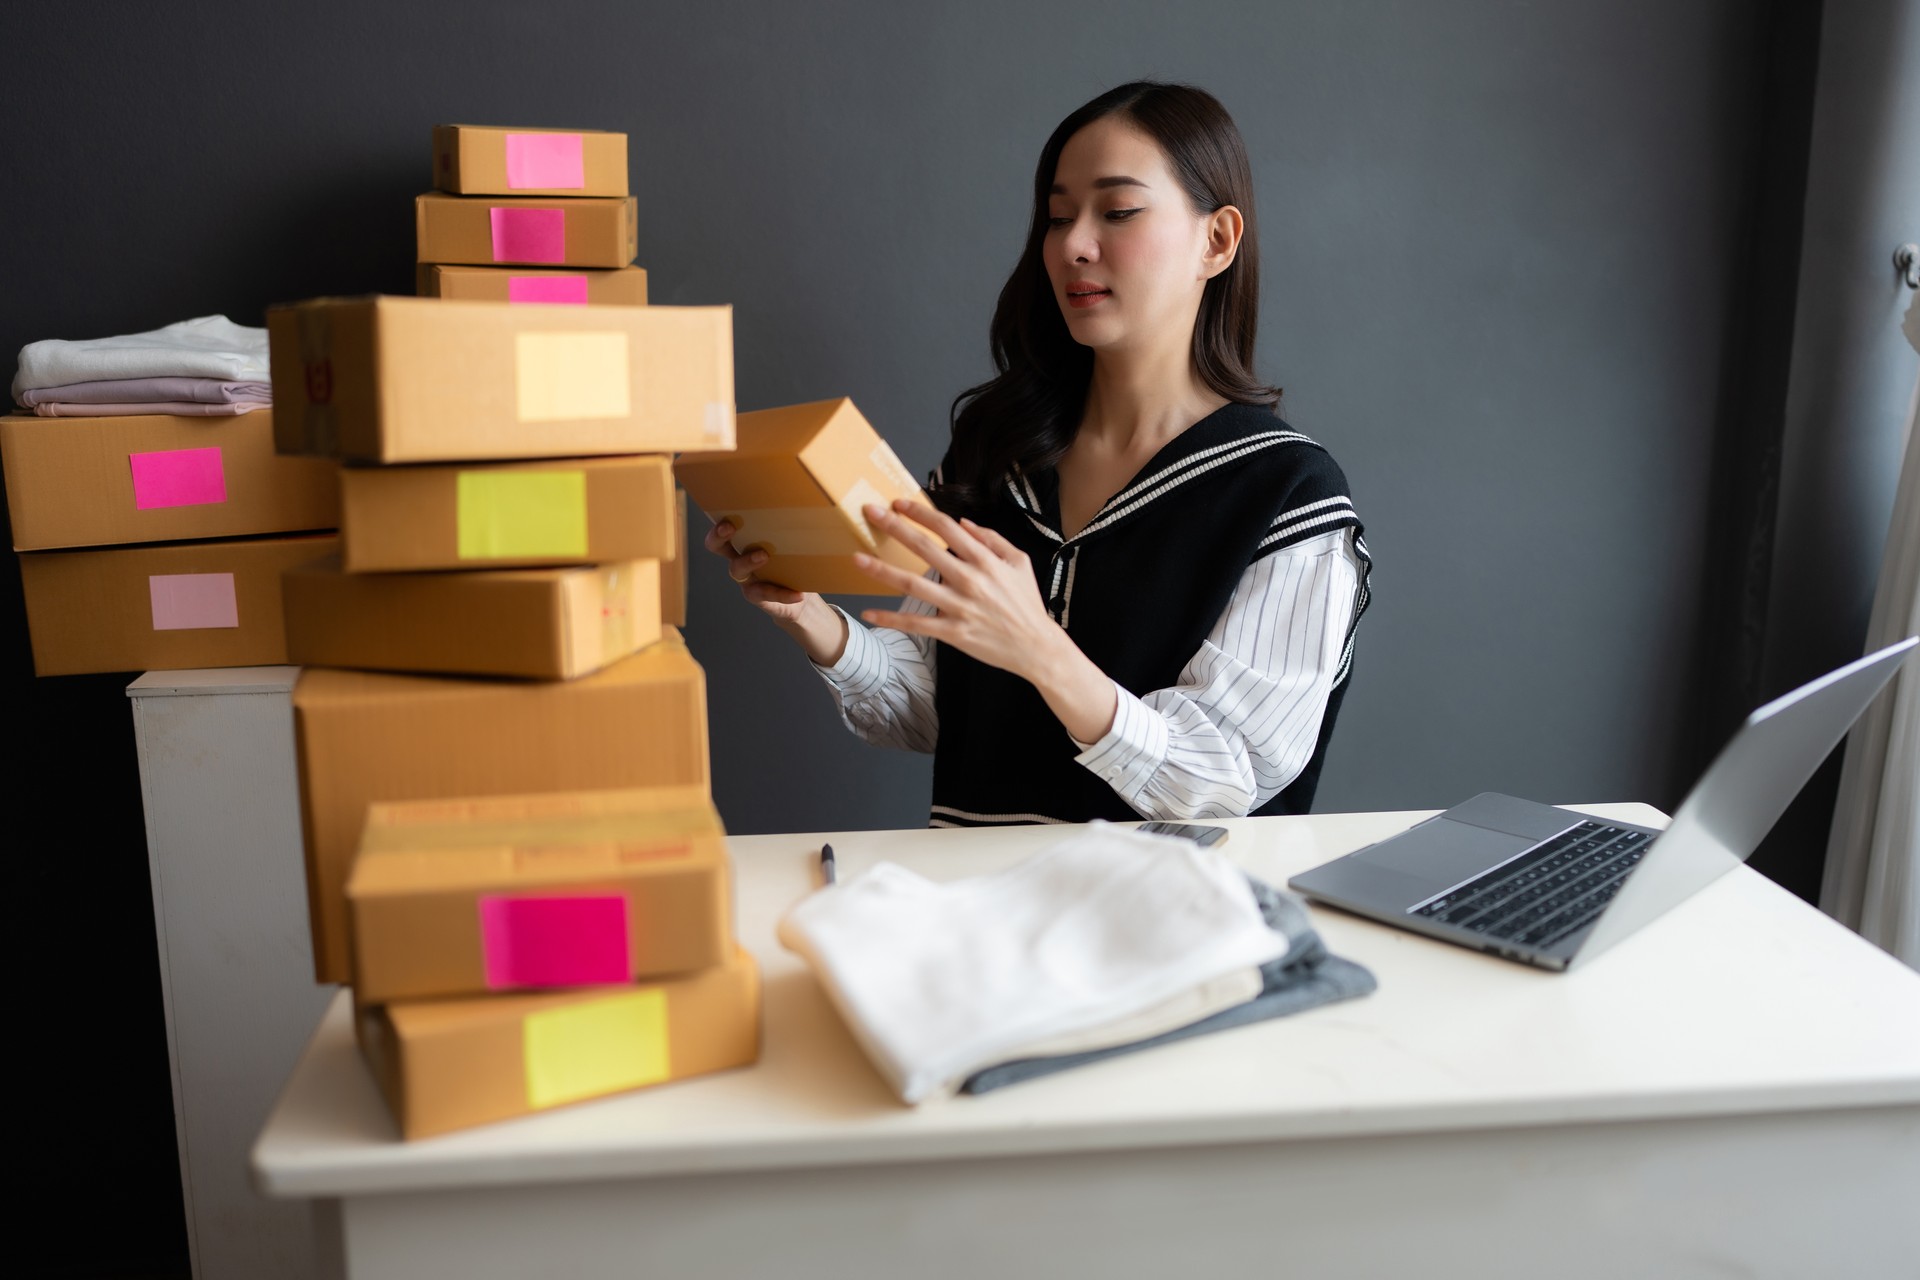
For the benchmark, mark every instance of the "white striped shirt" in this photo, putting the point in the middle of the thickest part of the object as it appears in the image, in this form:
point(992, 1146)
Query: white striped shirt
point(1236, 728)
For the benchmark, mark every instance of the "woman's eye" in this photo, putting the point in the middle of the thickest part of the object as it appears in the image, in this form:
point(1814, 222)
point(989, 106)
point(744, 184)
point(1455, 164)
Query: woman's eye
point(1058, 222)
point(1121, 215)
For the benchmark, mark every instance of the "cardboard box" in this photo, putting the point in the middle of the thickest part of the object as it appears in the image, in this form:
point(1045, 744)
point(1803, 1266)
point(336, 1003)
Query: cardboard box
point(463, 897)
point(364, 738)
point(673, 573)
point(89, 482)
point(795, 485)
point(163, 607)
point(620, 287)
point(477, 160)
point(551, 624)
point(432, 380)
point(506, 514)
point(554, 231)
point(452, 1064)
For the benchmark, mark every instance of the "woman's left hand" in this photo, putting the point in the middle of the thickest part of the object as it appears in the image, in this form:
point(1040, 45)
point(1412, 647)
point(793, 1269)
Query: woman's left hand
point(990, 605)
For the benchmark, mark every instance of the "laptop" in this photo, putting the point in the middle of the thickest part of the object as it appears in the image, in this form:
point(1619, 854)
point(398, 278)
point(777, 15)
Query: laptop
point(1553, 888)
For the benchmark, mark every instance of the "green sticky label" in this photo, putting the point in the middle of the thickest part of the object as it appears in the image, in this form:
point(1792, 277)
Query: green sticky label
point(507, 515)
point(596, 1047)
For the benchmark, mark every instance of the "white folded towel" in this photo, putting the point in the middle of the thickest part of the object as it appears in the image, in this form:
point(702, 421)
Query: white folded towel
point(206, 347)
point(937, 981)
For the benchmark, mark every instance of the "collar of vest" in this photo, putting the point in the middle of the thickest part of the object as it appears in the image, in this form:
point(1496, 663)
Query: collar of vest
point(1219, 440)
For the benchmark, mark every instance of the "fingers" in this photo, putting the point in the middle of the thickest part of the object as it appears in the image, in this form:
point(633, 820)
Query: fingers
point(934, 593)
point(719, 538)
point(770, 593)
point(906, 513)
point(741, 567)
point(994, 542)
point(918, 624)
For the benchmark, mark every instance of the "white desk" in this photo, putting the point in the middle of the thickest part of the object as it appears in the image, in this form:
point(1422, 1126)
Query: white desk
point(1736, 1091)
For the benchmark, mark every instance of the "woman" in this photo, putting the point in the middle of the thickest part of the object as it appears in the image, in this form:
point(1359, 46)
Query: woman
point(1146, 601)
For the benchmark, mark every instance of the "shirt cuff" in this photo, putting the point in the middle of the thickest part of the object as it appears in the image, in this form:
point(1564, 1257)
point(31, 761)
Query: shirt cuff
point(863, 663)
point(1132, 751)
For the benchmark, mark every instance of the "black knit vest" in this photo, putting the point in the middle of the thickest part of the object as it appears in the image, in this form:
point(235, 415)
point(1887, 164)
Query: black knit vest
point(1138, 589)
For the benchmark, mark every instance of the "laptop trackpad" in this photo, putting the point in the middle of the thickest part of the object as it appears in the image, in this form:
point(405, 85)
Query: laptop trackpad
point(1445, 852)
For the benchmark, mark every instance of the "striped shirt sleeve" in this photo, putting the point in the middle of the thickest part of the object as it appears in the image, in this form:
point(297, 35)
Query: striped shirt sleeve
point(883, 683)
point(1243, 718)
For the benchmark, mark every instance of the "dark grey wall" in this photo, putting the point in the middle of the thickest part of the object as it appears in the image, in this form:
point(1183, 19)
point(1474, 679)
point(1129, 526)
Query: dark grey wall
point(1500, 240)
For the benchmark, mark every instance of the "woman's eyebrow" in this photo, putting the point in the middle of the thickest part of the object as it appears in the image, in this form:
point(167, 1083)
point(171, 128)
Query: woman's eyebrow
point(1100, 184)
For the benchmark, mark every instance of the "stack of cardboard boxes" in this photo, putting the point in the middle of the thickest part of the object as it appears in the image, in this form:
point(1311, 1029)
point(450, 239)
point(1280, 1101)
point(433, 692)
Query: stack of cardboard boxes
point(511, 849)
point(181, 509)
point(529, 215)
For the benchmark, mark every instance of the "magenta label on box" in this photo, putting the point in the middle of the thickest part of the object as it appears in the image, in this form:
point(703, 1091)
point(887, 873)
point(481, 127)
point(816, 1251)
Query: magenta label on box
point(554, 942)
point(550, 161)
point(177, 478)
point(192, 601)
point(547, 289)
point(529, 235)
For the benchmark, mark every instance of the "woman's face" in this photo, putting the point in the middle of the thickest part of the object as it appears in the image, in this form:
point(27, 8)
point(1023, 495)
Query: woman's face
point(1126, 252)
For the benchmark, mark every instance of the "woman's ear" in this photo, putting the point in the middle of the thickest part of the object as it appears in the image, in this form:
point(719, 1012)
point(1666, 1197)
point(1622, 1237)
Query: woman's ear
point(1225, 226)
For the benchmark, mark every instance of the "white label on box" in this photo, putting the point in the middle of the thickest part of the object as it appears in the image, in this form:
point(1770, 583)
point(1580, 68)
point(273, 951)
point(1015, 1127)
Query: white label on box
point(851, 503)
point(888, 464)
point(568, 377)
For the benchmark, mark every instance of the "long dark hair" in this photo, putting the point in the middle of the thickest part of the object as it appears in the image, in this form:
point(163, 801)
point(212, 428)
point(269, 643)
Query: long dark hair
point(1026, 415)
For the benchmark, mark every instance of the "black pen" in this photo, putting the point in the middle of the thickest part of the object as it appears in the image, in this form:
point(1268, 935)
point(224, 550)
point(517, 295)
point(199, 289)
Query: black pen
point(826, 864)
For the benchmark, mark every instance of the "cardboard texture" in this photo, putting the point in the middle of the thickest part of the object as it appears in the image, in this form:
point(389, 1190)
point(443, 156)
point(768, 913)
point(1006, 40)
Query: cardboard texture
point(499, 515)
point(451, 1064)
point(463, 897)
point(673, 573)
point(622, 287)
point(482, 160)
point(89, 482)
point(363, 738)
point(164, 607)
point(552, 231)
point(551, 624)
point(431, 380)
point(795, 485)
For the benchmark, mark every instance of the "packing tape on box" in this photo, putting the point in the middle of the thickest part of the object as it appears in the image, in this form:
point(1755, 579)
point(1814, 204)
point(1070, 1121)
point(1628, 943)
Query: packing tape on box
point(527, 235)
point(178, 478)
point(596, 1047)
point(565, 290)
point(616, 612)
point(505, 515)
point(192, 601)
point(553, 161)
point(554, 941)
point(566, 377)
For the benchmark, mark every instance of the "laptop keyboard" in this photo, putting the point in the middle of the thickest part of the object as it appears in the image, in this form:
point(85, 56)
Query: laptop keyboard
point(1547, 892)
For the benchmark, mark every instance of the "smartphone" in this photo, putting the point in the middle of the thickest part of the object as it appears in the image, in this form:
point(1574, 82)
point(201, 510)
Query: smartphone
point(1202, 836)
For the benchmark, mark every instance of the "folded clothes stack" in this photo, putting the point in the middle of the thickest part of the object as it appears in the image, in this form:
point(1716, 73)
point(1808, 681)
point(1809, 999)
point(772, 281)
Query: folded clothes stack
point(1109, 942)
point(205, 367)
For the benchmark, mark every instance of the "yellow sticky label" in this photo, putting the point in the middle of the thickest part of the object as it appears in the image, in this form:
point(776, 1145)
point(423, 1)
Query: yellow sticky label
point(564, 377)
point(599, 1047)
point(520, 514)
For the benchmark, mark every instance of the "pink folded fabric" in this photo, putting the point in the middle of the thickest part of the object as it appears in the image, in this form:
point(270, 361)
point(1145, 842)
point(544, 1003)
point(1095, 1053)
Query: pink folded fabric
point(177, 408)
point(150, 391)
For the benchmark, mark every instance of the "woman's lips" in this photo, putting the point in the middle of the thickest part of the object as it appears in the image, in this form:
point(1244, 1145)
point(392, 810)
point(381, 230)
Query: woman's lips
point(1083, 300)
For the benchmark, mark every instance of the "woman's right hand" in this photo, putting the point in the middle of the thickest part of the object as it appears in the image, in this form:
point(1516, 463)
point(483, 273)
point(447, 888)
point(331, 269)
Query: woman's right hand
point(818, 628)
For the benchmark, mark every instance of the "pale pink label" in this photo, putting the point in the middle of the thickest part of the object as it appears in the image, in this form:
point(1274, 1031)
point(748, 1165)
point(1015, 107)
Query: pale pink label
point(177, 478)
point(547, 289)
point(549, 161)
point(529, 235)
point(554, 942)
point(191, 601)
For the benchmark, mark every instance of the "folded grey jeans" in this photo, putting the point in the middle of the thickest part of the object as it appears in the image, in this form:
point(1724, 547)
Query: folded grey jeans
point(1307, 976)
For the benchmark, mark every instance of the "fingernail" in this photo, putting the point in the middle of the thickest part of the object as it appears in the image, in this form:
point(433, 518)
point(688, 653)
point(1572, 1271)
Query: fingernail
point(873, 512)
point(724, 529)
point(759, 557)
point(862, 559)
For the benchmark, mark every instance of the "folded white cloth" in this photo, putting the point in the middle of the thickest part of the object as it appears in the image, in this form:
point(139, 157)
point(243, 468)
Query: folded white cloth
point(937, 981)
point(206, 347)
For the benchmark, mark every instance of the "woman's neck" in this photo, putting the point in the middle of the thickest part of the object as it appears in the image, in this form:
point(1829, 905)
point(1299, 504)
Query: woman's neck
point(1137, 401)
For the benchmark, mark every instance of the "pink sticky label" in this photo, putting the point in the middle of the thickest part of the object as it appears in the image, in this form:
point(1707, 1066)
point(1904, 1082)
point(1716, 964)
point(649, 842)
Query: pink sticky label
point(190, 601)
point(548, 161)
point(529, 235)
point(554, 942)
point(177, 478)
point(547, 289)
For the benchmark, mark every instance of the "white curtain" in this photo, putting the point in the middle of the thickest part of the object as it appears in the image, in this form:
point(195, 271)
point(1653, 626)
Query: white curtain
point(1872, 879)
